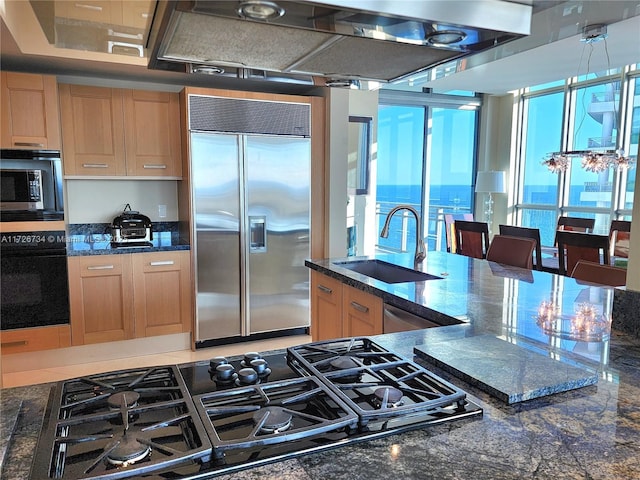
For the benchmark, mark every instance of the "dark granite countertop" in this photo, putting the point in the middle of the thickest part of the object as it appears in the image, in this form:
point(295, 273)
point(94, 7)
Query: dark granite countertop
point(95, 239)
point(590, 432)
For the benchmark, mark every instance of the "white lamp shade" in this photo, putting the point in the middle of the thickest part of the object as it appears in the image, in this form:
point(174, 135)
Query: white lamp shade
point(491, 182)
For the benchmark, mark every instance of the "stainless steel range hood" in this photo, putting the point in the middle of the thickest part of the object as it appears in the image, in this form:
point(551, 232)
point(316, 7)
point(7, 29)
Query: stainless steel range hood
point(380, 40)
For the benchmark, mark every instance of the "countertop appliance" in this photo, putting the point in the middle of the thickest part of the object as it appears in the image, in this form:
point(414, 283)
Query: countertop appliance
point(31, 185)
point(131, 229)
point(35, 288)
point(250, 174)
point(203, 419)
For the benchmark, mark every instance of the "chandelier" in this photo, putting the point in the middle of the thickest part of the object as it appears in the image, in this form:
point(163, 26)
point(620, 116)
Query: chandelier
point(593, 160)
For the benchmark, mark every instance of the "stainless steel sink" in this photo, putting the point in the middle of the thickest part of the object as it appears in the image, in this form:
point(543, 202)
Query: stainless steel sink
point(386, 272)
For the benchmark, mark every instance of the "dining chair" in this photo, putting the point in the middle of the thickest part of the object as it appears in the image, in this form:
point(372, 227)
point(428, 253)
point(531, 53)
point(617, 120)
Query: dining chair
point(472, 238)
point(574, 224)
point(574, 246)
point(601, 274)
point(526, 232)
point(450, 231)
point(514, 251)
point(619, 238)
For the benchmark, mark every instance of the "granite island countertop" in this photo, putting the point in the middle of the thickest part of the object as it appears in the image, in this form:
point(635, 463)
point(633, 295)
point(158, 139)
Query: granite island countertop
point(590, 432)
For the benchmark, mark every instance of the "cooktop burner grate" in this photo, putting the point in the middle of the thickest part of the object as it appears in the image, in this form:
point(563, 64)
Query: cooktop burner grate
point(374, 382)
point(272, 413)
point(119, 425)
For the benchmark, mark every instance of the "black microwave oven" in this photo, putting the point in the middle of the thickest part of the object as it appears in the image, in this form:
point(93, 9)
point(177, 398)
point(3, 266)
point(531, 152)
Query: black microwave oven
point(30, 185)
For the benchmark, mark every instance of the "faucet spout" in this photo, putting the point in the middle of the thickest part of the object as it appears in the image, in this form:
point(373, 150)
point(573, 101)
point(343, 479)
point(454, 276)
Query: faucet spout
point(421, 251)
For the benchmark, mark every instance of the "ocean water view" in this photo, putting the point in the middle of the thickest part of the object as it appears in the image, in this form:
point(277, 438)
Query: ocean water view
point(458, 199)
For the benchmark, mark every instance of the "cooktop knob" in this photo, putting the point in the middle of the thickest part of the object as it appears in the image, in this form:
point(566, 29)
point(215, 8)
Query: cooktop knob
point(248, 357)
point(215, 361)
point(247, 376)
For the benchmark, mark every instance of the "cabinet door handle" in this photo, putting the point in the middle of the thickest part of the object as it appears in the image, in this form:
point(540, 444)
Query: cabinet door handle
point(160, 263)
point(325, 289)
point(88, 7)
point(100, 267)
point(150, 165)
point(17, 343)
point(95, 165)
point(28, 144)
point(360, 308)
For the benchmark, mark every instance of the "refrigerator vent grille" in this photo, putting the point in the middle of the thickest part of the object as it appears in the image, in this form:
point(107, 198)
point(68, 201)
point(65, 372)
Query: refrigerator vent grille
point(216, 114)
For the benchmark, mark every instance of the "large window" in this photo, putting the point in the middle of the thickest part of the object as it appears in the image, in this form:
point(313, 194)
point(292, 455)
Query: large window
point(426, 159)
point(582, 115)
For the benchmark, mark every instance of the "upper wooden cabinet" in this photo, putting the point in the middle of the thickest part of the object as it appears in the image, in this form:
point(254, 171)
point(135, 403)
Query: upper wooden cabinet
point(119, 132)
point(152, 133)
point(92, 130)
point(130, 13)
point(30, 115)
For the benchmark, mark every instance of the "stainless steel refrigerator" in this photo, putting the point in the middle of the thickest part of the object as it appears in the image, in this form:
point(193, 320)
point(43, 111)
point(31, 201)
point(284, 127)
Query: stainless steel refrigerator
point(250, 169)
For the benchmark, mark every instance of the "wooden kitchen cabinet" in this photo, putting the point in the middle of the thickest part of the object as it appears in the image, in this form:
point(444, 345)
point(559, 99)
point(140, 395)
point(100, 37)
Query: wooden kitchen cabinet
point(326, 307)
point(30, 115)
point(100, 298)
point(111, 132)
point(338, 310)
point(34, 339)
point(119, 297)
point(161, 291)
point(361, 312)
point(152, 133)
point(92, 130)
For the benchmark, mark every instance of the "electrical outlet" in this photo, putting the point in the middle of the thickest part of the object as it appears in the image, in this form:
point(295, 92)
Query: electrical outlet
point(162, 211)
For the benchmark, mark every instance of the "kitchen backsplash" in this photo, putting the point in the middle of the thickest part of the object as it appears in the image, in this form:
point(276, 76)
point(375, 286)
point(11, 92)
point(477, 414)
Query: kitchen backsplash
point(99, 201)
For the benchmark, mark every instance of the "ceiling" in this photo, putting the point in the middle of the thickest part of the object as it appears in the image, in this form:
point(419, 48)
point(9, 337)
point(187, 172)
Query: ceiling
point(553, 51)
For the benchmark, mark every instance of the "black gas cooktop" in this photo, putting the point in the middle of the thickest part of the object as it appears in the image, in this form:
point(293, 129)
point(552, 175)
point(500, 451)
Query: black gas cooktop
point(202, 419)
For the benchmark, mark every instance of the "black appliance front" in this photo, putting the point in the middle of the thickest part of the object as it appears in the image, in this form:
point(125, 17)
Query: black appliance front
point(20, 166)
point(33, 276)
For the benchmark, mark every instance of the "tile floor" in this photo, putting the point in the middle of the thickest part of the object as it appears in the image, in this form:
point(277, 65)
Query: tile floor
point(54, 374)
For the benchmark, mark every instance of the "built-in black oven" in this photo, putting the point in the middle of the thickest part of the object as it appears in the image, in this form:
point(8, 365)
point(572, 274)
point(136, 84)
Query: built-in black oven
point(30, 185)
point(34, 287)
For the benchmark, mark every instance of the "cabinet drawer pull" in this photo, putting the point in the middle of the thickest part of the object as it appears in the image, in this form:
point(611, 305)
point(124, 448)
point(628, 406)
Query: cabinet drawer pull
point(95, 165)
point(88, 7)
point(28, 144)
point(100, 267)
point(17, 343)
point(160, 263)
point(325, 289)
point(150, 165)
point(360, 308)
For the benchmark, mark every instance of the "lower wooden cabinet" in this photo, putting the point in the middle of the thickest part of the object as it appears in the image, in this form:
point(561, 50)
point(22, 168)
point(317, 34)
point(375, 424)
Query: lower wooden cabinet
point(326, 307)
point(338, 310)
point(33, 339)
point(361, 312)
point(119, 297)
point(162, 299)
point(100, 298)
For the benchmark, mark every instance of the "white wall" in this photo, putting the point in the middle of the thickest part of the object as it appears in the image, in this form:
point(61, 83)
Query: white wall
point(99, 201)
point(494, 153)
point(343, 102)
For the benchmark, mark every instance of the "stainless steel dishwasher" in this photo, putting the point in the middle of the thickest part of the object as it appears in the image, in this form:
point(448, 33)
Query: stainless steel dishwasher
point(398, 320)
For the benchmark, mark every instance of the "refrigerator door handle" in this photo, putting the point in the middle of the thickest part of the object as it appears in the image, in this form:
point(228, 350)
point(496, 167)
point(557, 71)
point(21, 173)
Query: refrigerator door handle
point(257, 234)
